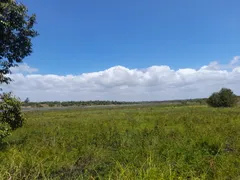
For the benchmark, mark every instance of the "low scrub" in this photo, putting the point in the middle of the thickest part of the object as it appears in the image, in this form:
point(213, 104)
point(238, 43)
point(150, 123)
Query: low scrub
point(191, 142)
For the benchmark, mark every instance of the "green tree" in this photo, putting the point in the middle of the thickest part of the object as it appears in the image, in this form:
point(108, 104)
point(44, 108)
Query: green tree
point(11, 117)
point(16, 32)
point(224, 98)
point(27, 100)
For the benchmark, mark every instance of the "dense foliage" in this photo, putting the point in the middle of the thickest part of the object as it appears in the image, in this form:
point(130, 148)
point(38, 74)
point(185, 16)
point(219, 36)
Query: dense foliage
point(224, 98)
point(10, 114)
point(125, 143)
point(16, 32)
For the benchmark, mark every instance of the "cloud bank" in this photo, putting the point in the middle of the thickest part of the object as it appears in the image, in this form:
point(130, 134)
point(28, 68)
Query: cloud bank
point(124, 84)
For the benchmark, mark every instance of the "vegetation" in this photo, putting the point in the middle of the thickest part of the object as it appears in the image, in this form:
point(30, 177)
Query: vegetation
point(95, 103)
point(16, 32)
point(27, 100)
point(224, 98)
point(135, 142)
point(10, 117)
point(141, 142)
point(71, 103)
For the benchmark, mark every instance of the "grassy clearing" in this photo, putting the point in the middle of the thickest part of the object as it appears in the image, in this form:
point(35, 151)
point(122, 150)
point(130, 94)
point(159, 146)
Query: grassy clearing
point(125, 143)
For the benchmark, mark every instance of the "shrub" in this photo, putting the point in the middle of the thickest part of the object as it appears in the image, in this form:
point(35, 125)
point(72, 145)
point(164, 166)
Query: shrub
point(11, 117)
point(224, 98)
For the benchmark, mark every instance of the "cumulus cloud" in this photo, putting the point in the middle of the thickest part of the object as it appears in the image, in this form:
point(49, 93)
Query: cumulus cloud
point(212, 66)
point(23, 68)
point(235, 60)
point(124, 84)
point(216, 66)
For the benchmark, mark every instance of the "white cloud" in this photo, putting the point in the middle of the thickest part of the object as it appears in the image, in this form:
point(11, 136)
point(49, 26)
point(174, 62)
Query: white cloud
point(121, 83)
point(212, 66)
point(216, 66)
point(235, 60)
point(23, 68)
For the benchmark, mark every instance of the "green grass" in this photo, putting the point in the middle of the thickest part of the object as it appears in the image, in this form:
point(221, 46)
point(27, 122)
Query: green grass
point(125, 143)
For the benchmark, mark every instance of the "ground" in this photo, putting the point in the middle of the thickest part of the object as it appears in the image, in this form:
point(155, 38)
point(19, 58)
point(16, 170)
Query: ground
point(135, 142)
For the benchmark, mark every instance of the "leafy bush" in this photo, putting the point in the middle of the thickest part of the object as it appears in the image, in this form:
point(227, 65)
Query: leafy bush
point(11, 117)
point(224, 98)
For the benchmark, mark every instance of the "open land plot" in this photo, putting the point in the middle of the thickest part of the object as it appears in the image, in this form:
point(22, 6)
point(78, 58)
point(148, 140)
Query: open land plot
point(142, 142)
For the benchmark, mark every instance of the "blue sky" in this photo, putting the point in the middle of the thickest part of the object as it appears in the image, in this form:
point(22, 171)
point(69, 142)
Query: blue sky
point(86, 36)
point(131, 50)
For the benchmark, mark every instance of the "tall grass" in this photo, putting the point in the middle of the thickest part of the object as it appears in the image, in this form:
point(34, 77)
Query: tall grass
point(125, 143)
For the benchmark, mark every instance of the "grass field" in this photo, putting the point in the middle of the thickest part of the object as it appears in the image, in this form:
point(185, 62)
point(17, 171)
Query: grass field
point(125, 143)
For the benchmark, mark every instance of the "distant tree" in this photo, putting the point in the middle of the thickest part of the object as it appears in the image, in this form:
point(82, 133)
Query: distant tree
point(16, 31)
point(224, 98)
point(27, 100)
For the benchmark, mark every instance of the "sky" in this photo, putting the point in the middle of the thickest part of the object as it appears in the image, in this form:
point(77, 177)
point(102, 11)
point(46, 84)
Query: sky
point(130, 50)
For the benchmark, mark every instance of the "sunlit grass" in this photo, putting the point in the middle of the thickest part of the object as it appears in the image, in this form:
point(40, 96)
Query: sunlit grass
point(125, 143)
